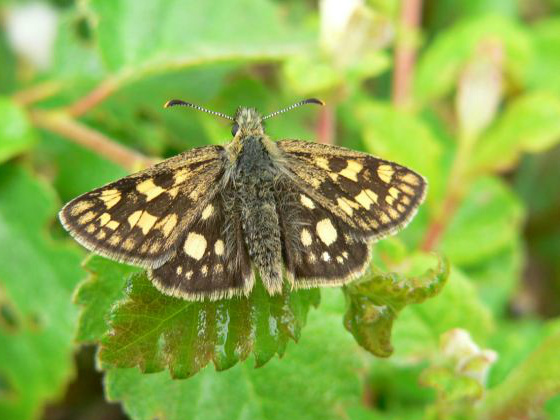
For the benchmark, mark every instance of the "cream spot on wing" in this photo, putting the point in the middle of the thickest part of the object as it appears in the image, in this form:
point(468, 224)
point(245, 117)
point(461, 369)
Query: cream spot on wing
point(86, 218)
point(110, 197)
point(339, 259)
point(384, 218)
point(90, 228)
point(351, 203)
point(149, 189)
point(115, 239)
point(180, 176)
point(134, 217)
point(306, 239)
point(406, 189)
point(393, 214)
point(219, 247)
point(113, 225)
point(194, 194)
point(104, 219)
point(129, 244)
point(311, 258)
point(352, 170)
point(218, 268)
point(195, 245)
point(145, 246)
point(326, 231)
point(405, 200)
point(322, 163)
point(389, 200)
point(179, 270)
point(207, 212)
point(393, 192)
point(364, 200)
point(188, 274)
point(385, 173)
point(155, 247)
point(80, 207)
point(345, 254)
point(306, 201)
point(204, 270)
point(101, 235)
point(411, 179)
point(326, 256)
point(371, 195)
point(333, 176)
point(146, 222)
point(167, 224)
point(346, 208)
point(401, 208)
point(173, 192)
point(315, 182)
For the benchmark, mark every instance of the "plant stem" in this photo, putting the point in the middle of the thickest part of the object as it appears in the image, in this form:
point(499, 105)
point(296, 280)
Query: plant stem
point(37, 93)
point(96, 96)
point(405, 51)
point(456, 187)
point(326, 126)
point(62, 124)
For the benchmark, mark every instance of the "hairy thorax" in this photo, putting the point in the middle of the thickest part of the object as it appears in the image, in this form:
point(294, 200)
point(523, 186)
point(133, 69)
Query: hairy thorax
point(254, 178)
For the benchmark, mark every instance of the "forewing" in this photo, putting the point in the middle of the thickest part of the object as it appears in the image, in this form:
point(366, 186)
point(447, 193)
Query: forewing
point(140, 218)
point(211, 260)
point(372, 196)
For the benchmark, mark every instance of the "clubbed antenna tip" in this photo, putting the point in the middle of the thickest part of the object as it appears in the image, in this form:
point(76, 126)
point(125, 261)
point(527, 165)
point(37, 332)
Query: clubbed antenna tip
point(300, 103)
point(179, 102)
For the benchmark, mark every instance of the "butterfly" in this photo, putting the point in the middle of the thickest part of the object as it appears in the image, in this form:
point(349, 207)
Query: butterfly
point(203, 221)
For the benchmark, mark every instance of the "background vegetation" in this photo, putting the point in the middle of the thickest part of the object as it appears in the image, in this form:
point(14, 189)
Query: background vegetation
point(465, 92)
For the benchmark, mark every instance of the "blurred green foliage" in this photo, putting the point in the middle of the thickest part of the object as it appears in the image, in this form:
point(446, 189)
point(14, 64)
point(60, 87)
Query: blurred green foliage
point(480, 119)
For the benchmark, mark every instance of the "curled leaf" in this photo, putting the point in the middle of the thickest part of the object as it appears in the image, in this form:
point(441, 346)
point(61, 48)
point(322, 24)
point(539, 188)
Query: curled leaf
point(374, 302)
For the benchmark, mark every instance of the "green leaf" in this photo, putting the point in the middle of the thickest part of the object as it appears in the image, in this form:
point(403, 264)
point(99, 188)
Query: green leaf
point(531, 123)
point(514, 340)
point(376, 299)
point(76, 60)
point(8, 64)
point(172, 35)
point(448, 11)
point(155, 331)
point(439, 67)
point(316, 379)
point(486, 223)
point(309, 74)
point(135, 114)
point(37, 318)
point(458, 372)
point(497, 278)
point(544, 70)
point(16, 133)
point(97, 294)
point(529, 385)
point(76, 169)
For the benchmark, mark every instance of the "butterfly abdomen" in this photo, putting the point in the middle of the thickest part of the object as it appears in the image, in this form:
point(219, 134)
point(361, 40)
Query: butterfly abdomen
point(255, 177)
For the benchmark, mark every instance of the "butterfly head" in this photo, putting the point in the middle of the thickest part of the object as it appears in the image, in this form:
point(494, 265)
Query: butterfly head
point(247, 122)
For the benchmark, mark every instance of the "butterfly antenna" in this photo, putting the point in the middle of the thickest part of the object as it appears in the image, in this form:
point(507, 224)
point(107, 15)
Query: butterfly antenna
point(300, 103)
point(178, 102)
